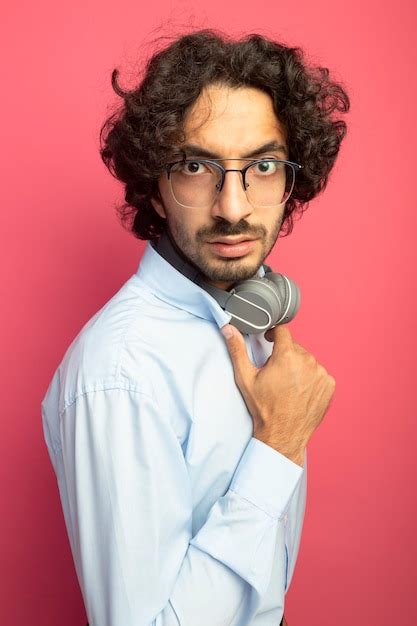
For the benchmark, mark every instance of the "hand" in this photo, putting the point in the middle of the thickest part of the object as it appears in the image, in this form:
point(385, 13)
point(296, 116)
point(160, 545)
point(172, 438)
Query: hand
point(287, 397)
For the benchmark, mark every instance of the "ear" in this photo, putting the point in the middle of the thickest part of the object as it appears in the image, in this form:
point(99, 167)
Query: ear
point(159, 207)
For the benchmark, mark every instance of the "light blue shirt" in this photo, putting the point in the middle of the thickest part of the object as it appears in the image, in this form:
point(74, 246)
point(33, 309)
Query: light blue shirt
point(175, 513)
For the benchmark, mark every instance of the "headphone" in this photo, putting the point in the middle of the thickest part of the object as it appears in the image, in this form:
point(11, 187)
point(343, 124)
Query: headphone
point(255, 304)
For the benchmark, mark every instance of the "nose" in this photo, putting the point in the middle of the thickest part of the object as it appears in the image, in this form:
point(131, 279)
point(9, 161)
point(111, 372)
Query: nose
point(231, 202)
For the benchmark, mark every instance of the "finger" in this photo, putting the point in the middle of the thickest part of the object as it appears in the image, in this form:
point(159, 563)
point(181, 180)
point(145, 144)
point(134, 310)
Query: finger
point(281, 337)
point(300, 348)
point(242, 365)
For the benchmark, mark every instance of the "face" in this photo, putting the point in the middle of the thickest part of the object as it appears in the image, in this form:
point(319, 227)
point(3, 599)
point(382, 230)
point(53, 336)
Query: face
point(228, 122)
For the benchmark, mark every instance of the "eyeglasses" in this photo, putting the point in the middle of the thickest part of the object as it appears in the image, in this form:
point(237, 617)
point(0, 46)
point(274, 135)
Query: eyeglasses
point(195, 183)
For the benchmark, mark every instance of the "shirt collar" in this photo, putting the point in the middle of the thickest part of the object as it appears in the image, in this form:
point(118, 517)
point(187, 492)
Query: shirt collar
point(169, 285)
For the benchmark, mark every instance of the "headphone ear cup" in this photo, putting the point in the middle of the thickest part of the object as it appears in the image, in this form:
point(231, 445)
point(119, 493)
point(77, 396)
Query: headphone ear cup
point(255, 305)
point(289, 294)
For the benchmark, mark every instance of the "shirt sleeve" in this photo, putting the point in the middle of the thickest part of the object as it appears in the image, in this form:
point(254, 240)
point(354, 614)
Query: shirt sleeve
point(128, 511)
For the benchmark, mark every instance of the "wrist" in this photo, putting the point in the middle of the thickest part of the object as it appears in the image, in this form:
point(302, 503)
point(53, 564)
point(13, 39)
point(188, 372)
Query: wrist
point(295, 455)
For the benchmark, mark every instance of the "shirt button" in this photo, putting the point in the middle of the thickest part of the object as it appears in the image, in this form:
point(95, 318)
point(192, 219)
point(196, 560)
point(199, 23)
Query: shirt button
point(285, 519)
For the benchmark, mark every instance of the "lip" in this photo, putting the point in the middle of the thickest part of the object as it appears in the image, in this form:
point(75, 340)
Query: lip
point(231, 240)
point(238, 247)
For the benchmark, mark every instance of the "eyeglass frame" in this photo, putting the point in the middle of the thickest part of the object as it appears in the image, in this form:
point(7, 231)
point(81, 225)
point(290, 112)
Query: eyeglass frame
point(224, 171)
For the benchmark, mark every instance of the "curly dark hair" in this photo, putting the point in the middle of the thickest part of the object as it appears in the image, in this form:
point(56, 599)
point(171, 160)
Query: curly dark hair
point(145, 133)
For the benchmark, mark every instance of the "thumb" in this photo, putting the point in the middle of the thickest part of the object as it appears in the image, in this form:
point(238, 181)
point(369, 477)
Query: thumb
point(242, 365)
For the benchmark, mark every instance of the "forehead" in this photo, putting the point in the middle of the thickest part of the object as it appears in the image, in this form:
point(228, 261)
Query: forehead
point(228, 119)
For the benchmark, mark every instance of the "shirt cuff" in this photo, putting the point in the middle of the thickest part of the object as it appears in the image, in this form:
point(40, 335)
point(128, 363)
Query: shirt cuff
point(266, 478)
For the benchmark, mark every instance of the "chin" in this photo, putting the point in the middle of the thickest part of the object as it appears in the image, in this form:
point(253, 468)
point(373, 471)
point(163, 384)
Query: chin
point(231, 269)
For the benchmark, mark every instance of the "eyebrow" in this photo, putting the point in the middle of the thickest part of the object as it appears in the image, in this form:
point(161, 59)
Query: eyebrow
point(271, 146)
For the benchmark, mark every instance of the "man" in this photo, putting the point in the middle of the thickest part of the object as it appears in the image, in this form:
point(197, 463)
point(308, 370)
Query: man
point(181, 455)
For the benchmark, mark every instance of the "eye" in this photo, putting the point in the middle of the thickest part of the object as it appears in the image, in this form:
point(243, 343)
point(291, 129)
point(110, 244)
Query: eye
point(265, 168)
point(191, 168)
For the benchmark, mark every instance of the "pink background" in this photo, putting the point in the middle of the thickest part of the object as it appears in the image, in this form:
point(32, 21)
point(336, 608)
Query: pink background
point(64, 255)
